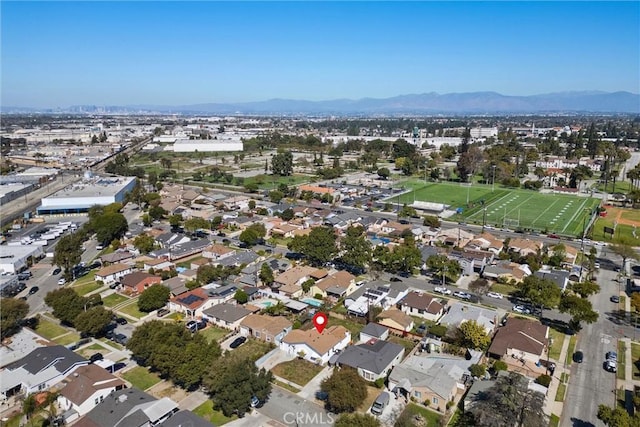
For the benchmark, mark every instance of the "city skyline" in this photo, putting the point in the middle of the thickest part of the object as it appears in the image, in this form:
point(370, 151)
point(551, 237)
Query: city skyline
point(58, 54)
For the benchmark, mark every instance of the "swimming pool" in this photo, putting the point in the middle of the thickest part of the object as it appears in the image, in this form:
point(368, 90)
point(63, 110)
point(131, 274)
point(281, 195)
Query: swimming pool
point(312, 301)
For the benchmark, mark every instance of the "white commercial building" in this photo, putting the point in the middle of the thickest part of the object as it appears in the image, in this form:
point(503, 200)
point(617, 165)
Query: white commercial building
point(79, 197)
point(208, 145)
point(16, 258)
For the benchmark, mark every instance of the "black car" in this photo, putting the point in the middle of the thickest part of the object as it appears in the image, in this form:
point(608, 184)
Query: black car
point(58, 270)
point(33, 290)
point(95, 357)
point(395, 279)
point(121, 321)
point(238, 342)
point(121, 339)
point(578, 356)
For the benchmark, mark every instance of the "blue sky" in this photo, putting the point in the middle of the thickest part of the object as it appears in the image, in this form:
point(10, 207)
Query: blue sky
point(177, 53)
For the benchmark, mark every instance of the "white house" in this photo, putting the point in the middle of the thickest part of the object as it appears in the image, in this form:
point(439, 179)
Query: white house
point(113, 273)
point(315, 347)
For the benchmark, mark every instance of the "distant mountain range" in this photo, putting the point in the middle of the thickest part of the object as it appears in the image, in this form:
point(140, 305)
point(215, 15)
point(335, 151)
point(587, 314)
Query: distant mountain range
point(419, 104)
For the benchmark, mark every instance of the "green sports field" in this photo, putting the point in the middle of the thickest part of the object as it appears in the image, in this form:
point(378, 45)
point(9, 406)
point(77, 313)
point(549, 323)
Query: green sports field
point(512, 208)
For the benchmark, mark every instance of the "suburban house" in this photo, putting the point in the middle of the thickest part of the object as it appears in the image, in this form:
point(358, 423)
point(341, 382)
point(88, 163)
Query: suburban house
point(396, 319)
point(113, 273)
point(525, 247)
point(456, 237)
point(138, 281)
point(458, 312)
point(226, 315)
point(470, 260)
point(289, 283)
point(39, 370)
point(521, 343)
point(374, 331)
point(373, 360)
point(192, 303)
point(315, 347)
point(265, 328)
point(217, 252)
point(486, 242)
point(85, 389)
point(375, 294)
point(129, 407)
point(335, 285)
point(507, 270)
point(117, 257)
point(435, 380)
point(285, 230)
point(422, 305)
point(158, 264)
point(559, 277)
point(177, 285)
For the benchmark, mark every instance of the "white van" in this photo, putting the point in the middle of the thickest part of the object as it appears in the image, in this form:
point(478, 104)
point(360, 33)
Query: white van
point(380, 403)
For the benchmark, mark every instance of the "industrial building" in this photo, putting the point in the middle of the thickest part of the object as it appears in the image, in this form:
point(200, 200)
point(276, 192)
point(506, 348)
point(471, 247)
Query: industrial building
point(91, 191)
point(208, 145)
point(13, 259)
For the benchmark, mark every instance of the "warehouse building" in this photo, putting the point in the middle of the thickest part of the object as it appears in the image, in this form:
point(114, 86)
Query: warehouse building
point(208, 145)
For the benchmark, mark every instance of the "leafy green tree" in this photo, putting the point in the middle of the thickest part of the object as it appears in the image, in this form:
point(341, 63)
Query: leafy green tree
point(174, 352)
point(193, 224)
point(580, 309)
point(346, 390)
point(625, 251)
point(157, 212)
point(356, 420)
point(431, 221)
point(356, 248)
point(471, 334)
point(153, 298)
point(241, 296)
point(144, 243)
point(307, 285)
point(541, 292)
point(282, 164)
point(232, 383)
point(12, 312)
point(384, 173)
point(266, 274)
point(252, 234)
point(509, 402)
point(276, 196)
point(66, 304)
point(617, 417)
point(68, 253)
point(585, 289)
point(477, 370)
point(441, 266)
point(109, 226)
point(146, 220)
point(319, 246)
point(93, 321)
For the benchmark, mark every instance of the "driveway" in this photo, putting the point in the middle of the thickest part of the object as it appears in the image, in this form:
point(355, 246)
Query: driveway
point(392, 411)
point(273, 358)
point(309, 390)
point(292, 410)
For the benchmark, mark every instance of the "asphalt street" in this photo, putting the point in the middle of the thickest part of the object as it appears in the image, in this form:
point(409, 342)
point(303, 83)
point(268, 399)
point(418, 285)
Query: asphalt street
point(291, 410)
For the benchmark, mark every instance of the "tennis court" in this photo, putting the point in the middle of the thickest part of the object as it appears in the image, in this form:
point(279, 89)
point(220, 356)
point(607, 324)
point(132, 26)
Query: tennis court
point(500, 207)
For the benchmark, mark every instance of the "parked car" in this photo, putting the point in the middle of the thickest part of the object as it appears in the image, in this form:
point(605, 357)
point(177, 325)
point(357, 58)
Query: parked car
point(462, 295)
point(611, 365)
point(255, 402)
point(422, 329)
point(62, 281)
point(238, 342)
point(120, 339)
point(190, 324)
point(615, 299)
point(395, 279)
point(33, 290)
point(611, 355)
point(121, 321)
point(521, 309)
point(578, 356)
point(58, 270)
point(95, 357)
point(25, 275)
point(494, 295)
point(322, 395)
point(114, 285)
point(442, 290)
point(116, 367)
point(162, 312)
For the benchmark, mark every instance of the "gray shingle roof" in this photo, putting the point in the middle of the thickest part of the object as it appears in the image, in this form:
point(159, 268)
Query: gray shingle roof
point(42, 357)
point(374, 357)
point(227, 312)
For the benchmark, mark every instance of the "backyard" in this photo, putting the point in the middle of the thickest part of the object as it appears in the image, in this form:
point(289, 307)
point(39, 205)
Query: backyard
point(297, 371)
point(207, 412)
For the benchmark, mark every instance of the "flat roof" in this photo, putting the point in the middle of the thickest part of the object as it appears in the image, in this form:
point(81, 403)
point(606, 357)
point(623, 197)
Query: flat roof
point(97, 187)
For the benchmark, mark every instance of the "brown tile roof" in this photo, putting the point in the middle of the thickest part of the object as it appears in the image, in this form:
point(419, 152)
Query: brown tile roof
point(397, 316)
point(423, 302)
point(341, 279)
point(293, 275)
point(520, 334)
point(85, 381)
point(316, 189)
point(218, 249)
point(112, 269)
point(320, 343)
point(132, 279)
point(271, 324)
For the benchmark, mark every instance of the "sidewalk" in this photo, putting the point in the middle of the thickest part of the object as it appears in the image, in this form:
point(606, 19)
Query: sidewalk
point(309, 390)
point(550, 404)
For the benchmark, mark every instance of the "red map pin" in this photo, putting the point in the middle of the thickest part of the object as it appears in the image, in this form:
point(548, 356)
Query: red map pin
point(320, 321)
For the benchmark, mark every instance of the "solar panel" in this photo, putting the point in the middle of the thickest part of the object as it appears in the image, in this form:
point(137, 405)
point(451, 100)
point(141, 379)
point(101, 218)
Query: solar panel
point(190, 299)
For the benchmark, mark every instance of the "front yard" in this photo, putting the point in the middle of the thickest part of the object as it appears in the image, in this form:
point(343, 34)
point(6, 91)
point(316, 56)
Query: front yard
point(132, 310)
point(556, 344)
point(212, 333)
point(297, 371)
point(253, 349)
point(635, 361)
point(86, 288)
point(207, 412)
point(413, 412)
point(114, 299)
point(141, 378)
point(48, 329)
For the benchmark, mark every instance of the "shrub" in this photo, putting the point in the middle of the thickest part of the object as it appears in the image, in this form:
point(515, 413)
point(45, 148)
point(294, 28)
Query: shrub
point(379, 383)
point(438, 330)
point(499, 365)
point(544, 380)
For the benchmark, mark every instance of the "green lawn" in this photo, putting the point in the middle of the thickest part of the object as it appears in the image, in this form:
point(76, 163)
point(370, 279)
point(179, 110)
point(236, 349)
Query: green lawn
point(141, 378)
point(562, 387)
point(556, 346)
point(406, 343)
point(83, 290)
point(214, 333)
point(48, 329)
point(503, 289)
point(286, 386)
point(112, 343)
point(297, 371)
point(253, 349)
point(353, 327)
point(431, 418)
point(571, 349)
point(207, 412)
point(557, 213)
point(269, 182)
point(114, 299)
point(67, 339)
point(622, 355)
point(88, 351)
point(90, 277)
point(132, 310)
point(621, 229)
point(554, 420)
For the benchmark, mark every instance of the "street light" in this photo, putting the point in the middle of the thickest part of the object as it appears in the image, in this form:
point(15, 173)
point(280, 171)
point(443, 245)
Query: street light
point(493, 180)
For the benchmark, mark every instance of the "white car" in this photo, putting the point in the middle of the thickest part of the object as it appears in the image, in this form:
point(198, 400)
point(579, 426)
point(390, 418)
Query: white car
point(494, 295)
point(61, 281)
point(521, 309)
point(462, 295)
point(442, 290)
